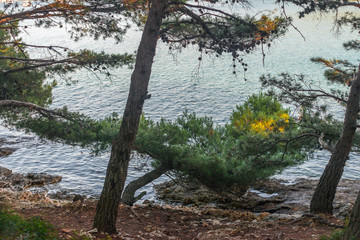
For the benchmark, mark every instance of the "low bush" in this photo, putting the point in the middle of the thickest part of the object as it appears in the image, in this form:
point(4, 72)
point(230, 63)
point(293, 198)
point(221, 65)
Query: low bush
point(12, 226)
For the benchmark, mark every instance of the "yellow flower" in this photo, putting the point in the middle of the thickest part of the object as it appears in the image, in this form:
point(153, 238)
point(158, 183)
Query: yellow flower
point(285, 117)
point(263, 126)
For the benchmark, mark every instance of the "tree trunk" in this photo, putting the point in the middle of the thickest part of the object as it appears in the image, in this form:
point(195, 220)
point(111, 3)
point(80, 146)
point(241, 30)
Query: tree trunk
point(323, 198)
point(107, 207)
point(353, 230)
point(129, 192)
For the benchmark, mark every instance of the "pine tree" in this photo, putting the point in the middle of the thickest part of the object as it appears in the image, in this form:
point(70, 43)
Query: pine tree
point(180, 23)
point(340, 71)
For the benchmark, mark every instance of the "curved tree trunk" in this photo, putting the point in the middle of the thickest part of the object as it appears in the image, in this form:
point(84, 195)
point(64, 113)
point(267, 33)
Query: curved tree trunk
point(107, 207)
point(322, 200)
point(129, 192)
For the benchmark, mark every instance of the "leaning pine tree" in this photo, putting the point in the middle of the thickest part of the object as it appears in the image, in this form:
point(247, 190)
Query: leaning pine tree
point(214, 31)
point(202, 24)
point(353, 230)
point(181, 23)
point(324, 194)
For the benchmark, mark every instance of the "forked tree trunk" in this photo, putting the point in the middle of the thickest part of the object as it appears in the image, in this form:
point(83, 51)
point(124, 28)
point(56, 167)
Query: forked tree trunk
point(107, 207)
point(322, 200)
point(129, 193)
point(353, 230)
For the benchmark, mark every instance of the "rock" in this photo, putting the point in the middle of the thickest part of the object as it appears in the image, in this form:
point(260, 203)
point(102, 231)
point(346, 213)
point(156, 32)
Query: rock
point(6, 151)
point(95, 230)
point(42, 179)
point(344, 211)
point(74, 205)
point(190, 192)
point(4, 184)
point(271, 196)
point(19, 182)
point(216, 234)
point(4, 172)
point(62, 194)
point(78, 197)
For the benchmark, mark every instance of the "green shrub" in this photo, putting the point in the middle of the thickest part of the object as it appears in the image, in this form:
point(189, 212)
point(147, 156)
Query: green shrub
point(13, 226)
point(260, 114)
point(223, 156)
point(260, 140)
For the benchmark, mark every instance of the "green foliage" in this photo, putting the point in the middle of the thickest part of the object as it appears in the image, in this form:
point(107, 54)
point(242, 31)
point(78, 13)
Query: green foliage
point(297, 90)
point(339, 71)
point(73, 129)
point(337, 235)
point(23, 79)
point(28, 86)
point(314, 115)
point(218, 156)
point(92, 61)
point(13, 226)
point(221, 156)
point(260, 114)
point(352, 45)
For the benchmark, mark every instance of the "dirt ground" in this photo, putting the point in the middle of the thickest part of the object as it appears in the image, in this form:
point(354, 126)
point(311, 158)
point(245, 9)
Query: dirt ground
point(283, 216)
point(169, 222)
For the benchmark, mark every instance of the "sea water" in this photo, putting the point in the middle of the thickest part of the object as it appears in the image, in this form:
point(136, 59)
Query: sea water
point(178, 82)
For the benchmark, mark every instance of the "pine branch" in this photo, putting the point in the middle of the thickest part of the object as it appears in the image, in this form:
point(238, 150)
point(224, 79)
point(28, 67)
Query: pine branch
point(324, 145)
point(31, 106)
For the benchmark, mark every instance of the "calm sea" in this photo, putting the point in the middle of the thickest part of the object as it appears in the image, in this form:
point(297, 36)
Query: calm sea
point(177, 83)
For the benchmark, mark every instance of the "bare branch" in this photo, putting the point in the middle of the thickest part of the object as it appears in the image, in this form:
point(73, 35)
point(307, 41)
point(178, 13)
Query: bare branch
point(31, 106)
point(324, 145)
point(287, 141)
point(289, 20)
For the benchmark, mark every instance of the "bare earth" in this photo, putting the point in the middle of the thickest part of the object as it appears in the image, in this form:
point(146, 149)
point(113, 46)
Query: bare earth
point(149, 221)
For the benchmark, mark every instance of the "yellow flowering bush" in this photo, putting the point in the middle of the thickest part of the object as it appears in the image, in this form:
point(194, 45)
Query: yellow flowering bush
point(260, 114)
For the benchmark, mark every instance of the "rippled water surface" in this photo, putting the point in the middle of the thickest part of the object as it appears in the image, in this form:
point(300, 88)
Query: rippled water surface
point(176, 84)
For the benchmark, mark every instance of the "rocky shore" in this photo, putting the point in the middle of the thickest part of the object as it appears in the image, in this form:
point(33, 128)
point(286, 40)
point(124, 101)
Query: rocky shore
point(15, 188)
point(5, 151)
point(276, 197)
point(272, 209)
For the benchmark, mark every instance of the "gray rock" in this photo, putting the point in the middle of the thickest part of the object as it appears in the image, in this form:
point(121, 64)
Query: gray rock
point(78, 197)
point(5, 151)
point(19, 182)
point(4, 172)
point(344, 210)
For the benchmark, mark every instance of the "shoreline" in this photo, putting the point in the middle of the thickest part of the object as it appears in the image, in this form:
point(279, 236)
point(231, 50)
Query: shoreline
point(275, 196)
point(274, 216)
point(73, 218)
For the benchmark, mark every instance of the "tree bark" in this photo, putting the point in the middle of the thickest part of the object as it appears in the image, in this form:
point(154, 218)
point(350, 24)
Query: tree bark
point(322, 200)
point(129, 192)
point(107, 207)
point(353, 230)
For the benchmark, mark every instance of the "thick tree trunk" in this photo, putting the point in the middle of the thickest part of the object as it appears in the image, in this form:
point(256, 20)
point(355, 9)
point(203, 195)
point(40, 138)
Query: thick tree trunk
point(129, 192)
point(353, 231)
point(107, 207)
point(322, 200)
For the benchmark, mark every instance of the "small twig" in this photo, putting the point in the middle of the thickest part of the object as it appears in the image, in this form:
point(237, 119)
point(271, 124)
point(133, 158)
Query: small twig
point(173, 179)
point(284, 12)
point(135, 214)
point(286, 141)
